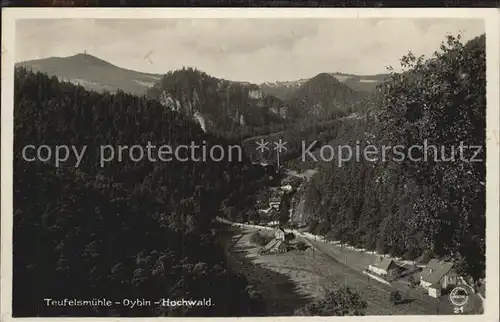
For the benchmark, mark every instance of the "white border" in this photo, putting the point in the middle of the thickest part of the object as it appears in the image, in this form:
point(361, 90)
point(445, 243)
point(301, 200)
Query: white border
point(491, 17)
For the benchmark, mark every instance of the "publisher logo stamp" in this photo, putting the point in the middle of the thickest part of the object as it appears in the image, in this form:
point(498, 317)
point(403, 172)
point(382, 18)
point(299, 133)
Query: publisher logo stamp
point(459, 296)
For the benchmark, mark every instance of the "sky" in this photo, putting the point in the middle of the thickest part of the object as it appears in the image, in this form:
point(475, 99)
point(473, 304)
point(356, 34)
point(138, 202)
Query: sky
point(255, 50)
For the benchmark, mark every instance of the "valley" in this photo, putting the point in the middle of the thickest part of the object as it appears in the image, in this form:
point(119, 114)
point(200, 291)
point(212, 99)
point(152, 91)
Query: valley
point(312, 273)
point(296, 278)
point(221, 229)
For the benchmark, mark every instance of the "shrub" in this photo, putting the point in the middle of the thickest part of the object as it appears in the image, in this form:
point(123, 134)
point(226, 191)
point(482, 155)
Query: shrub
point(412, 281)
point(301, 245)
point(395, 297)
point(339, 302)
point(404, 208)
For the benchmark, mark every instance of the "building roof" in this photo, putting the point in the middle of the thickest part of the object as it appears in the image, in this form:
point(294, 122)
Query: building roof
point(435, 270)
point(275, 244)
point(271, 244)
point(383, 263)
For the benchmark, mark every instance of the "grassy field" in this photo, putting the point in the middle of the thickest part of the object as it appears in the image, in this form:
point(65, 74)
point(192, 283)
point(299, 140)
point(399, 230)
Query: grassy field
point(290, 280)
point(418, 302)
point(373, 292)
point(281, 293)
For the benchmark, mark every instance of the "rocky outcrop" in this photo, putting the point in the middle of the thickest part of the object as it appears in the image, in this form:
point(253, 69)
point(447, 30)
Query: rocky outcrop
point(200, 120)
point(166, 99)
point(211, 101)
point(188, 107)
point(281, 111)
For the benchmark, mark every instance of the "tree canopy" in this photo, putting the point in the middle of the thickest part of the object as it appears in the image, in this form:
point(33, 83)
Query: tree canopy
point(404, 207)
point(125, 230)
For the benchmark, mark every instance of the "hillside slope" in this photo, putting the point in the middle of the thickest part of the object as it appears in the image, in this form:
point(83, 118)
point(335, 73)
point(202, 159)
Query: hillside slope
point(362, 83)
point(128, 228)
point(403, 207)
point(282, 90)
point(93, 73)
point(321, 96)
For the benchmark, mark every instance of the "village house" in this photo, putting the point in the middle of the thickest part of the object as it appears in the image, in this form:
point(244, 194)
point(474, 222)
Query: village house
point(270, 210)
point(265, 211)
point(279, 234)
point(437, 276)
point(383, 266)
point(275, 204)
point(275, 246)
point(278, 244)
point(255, 94)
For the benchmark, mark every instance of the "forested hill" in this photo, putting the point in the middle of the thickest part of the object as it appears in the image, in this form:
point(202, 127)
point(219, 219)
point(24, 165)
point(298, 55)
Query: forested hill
point(93, 73)
point(409, 208)
point(362, 83)
point(322, 96)
point(125, 230)
point(218, 105)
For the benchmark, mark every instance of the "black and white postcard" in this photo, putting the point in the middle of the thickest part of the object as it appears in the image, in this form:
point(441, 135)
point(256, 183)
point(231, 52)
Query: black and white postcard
point(165, 163)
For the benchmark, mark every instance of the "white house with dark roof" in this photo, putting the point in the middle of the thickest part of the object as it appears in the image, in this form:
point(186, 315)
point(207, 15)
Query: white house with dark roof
point(382, 266)
point(278, 244)
point(279, 233)
point(436, 276)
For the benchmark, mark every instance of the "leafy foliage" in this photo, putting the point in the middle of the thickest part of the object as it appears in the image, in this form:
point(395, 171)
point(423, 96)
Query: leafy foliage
point(289, 236)
point(125, 230)
point(233, 109)
point(320, 96)
point(395, 297)
point(340, 302)
point(406, 207)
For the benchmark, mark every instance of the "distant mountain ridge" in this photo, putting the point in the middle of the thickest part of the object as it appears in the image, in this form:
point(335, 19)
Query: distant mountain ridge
point(93, 73)
point(216, 103)
point(322, 96)
point(211, 102)
point(285, 89)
